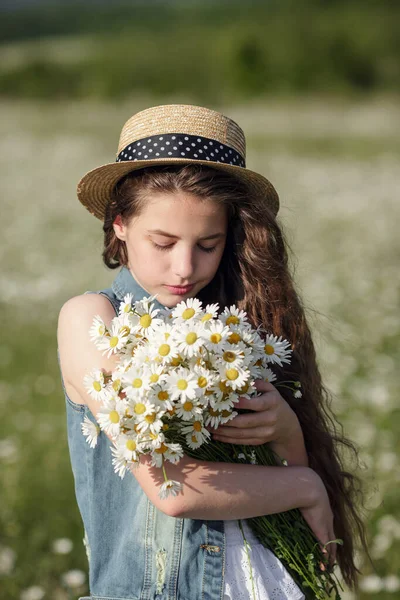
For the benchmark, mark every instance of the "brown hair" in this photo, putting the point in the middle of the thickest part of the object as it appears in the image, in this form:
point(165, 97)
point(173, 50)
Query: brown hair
point(254, 275)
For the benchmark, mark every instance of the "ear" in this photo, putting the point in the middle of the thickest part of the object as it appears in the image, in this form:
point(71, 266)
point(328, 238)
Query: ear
point(119, 228)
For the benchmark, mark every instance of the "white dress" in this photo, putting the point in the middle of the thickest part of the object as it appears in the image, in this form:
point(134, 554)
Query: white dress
point(271, 580)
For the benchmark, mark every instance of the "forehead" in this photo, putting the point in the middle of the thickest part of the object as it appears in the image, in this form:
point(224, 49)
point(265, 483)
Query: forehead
point(179, 210)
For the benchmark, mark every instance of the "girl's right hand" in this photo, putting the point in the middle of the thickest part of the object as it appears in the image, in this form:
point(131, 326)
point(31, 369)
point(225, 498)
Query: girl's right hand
point(319, 517)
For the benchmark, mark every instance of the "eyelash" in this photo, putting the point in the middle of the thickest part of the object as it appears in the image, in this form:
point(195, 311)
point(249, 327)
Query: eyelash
point(163, 248)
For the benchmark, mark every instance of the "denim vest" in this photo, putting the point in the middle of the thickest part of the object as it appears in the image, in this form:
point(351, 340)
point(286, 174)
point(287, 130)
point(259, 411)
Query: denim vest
point(135, 551)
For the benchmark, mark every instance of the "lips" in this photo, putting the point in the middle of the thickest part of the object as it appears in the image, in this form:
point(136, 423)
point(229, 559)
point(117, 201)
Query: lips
point(179, 289)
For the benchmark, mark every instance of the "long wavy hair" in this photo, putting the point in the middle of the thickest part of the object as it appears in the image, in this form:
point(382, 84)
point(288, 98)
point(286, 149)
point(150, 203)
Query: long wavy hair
point(254, 275)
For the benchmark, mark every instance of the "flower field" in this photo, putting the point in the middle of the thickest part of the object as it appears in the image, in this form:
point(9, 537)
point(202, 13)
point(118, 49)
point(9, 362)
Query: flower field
point(336, 168)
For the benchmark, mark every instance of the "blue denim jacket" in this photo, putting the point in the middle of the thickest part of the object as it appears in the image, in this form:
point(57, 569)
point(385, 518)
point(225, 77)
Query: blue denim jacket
point(135, 551)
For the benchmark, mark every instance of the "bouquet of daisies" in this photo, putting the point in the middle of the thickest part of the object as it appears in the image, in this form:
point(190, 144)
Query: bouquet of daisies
point(179, 371)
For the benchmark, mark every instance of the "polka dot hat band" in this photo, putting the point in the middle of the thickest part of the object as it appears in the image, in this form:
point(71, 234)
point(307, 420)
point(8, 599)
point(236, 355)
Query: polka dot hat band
point(175, 134)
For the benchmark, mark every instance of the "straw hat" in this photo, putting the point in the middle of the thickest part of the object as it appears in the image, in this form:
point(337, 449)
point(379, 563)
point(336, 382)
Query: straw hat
point(175, 134)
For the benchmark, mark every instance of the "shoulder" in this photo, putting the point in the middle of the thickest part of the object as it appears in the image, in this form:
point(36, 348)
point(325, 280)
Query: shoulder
point(77, 352)
point(80, 310)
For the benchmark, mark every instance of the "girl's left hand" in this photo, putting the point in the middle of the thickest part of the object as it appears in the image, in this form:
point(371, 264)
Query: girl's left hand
point(272, 421)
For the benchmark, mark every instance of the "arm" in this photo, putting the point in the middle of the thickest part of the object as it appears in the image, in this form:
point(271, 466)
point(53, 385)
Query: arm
point(293, 450)
point(211, 490)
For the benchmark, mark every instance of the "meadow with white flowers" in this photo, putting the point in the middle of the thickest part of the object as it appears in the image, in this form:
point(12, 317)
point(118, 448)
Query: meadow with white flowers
point(336, 167)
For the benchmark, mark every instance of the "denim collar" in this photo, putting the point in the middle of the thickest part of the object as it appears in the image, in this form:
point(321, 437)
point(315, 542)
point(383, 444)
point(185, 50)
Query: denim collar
point(125, 283)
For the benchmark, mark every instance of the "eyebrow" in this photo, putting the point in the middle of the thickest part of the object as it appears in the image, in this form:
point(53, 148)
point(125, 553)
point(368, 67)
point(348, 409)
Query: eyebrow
point(208, 237)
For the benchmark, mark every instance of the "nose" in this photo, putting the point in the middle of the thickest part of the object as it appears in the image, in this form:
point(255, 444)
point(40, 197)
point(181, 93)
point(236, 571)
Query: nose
point(183, 265)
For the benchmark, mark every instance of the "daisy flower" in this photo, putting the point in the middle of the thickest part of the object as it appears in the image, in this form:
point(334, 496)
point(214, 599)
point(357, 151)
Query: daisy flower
point(235, 377)
point(110, 416)
point(227, 415)
point(189, 339)
point(234, 318)
point(166, 451)
point(160, 396)
point(128, 446)
point(91, 431)
point(212, 417)
point(114, 341)
point(154, 372)
point(298, 394)
point(147, 315)
point(211, 312)
point(267, 375)
point(188, 409)
point(136, 381)
point(95, 385)
point(187, 310)
point(150, 420)
point(226, 402)
point(196, 434)
point(234, 356)
point(276, 350)
point(126, 305)
point(98, 329)
point(216, 336)
point(162, 344)
point(205, 378)
point(169, 488)
point(182, 384)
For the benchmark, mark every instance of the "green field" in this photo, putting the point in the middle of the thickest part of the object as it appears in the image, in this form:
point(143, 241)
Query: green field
point(336, 167)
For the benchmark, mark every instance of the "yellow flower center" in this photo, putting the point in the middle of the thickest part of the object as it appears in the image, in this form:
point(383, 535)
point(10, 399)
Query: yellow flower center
point(163, 448)
point(154, 378)
point(164, 350)
point(188, 405)
point(213, 412)
point(116, 385)
point(125, 330)
point(145, 320)
point(202, 382)
point(113, 341)
point(268, 349)
point(165, 427)
point(114, 416)
point(229, 356)
point(163, 395)
point(139, 408)
point(131, 445)
point(243, 389)
point(197, 426)
point(182, 384)
point(206, 317)
point(97, 386)
point(151, 417)
point(226, 413)
point(188, 313)
point(232, 374)
point(153, 436)
point(191, 338)
point(127, 308)
point(215, 338)
point(167, 335)
point(224, 388)
point(234, 338)
point(194, 439)
point(233, 320)
point(137, 383)
point(176, 361)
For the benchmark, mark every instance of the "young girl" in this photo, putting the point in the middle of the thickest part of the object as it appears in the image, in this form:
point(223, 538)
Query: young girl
point(183, 217)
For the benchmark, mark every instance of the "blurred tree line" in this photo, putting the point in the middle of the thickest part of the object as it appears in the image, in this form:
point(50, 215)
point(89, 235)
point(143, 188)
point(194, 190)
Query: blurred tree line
point(212, 50)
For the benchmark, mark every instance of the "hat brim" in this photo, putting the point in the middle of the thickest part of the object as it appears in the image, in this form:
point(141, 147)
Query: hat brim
point(96, 187)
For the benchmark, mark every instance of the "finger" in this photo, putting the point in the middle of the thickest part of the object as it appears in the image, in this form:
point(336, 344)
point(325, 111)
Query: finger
point(242, 442)
point(264, 386)
point(266, 401)
point(228, 433)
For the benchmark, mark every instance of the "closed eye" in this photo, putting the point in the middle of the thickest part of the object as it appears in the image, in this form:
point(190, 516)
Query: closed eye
point(163, 248)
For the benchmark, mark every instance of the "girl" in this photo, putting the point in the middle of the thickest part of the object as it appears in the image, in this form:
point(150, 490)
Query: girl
point(184, 218)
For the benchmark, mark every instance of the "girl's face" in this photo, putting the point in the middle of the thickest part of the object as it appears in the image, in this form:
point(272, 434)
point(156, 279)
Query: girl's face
point(177, 240)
